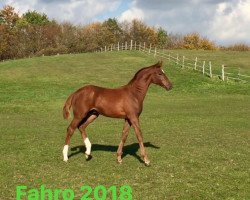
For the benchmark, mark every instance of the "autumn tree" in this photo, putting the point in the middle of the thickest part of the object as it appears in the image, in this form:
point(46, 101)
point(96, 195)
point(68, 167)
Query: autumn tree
point(175, 41)
point(111, 32)
point(191, 41)
point(237, 47)
point(92, 36)
point(69, 36)
point(9, 33)
point(36, 31)
point(195, 41)
point(140, 32)
point(33, 33)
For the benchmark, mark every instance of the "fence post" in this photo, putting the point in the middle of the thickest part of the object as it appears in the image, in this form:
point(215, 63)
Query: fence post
point(118, 46)
point(126, 45)
point(131, 45)
point(162, 53)
point(203, 67)
point(155, 52)
point(105, 48)
point(183, 61)
point(210, 69)
point(101, 49)
point(222, 73)
point(111, 47)
point(135, 45)
point(195, 63)
point(239, 74)
point(139, 46)
point(177, 59)
point(149, 49)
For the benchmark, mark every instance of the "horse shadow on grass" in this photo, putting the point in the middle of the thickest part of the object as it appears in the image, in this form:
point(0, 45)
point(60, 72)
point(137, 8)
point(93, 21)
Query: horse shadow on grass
point(130, 149)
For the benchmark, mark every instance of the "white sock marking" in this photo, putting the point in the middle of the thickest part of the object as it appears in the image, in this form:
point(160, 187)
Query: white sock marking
point(88, 146)
point(65, 153)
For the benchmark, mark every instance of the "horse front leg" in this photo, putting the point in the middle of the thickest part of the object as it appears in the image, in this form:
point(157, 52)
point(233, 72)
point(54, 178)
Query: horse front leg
point(125, 132)
point(136, 126)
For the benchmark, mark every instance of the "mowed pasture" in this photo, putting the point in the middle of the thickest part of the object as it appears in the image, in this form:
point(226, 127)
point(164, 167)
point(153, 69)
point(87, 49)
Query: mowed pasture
point(197, 135)
point(228, 58)
point(234, 61)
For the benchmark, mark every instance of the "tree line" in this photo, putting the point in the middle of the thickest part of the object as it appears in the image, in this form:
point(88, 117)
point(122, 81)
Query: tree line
point(34, 34)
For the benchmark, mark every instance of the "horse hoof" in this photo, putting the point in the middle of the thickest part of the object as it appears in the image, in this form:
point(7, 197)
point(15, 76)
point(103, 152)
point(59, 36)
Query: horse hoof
point(147, 163)
point(65, 160)
point(119, 161)
point(88, 157)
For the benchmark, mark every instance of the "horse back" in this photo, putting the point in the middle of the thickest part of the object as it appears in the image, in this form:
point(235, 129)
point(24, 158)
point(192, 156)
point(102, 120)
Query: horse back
point(108, 102)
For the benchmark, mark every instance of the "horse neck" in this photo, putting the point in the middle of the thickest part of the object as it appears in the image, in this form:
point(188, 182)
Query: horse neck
point(139, 86)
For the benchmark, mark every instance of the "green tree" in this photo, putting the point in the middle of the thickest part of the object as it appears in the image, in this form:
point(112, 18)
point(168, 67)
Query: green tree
point(162, 37)
point(36, 18)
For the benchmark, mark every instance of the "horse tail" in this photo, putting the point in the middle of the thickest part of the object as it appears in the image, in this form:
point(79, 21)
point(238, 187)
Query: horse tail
point(67, 107)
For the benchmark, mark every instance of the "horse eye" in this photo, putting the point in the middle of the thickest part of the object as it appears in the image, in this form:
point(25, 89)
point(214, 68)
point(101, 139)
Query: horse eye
point(160, 74)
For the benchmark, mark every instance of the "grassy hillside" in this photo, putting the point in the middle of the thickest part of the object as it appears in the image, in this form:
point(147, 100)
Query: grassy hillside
point(233, 60)
point(197, 135)
point(229, 58)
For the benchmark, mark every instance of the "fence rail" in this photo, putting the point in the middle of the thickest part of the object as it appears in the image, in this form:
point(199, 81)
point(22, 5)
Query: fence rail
point(204, 67)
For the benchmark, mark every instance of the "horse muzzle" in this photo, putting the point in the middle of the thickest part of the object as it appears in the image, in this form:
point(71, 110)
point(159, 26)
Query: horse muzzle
point(169, 86)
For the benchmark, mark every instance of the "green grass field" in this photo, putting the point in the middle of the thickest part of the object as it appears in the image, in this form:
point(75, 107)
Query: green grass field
point(234, 61)
point(197, 135)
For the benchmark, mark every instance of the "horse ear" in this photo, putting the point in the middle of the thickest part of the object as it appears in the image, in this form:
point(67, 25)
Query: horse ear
point(159, 64)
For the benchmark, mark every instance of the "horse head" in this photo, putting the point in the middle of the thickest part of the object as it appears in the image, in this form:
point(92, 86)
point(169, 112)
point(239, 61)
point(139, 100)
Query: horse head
point(160, 78)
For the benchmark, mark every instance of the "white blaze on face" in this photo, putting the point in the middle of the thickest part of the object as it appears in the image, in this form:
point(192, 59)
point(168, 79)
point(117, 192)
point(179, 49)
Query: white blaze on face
point(163, 71)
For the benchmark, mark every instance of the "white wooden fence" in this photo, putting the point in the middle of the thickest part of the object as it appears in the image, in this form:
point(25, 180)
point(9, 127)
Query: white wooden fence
point(204, 67)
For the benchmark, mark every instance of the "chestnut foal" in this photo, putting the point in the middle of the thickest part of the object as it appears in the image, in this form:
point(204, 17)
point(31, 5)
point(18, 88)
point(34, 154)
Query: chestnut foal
point(125, 102)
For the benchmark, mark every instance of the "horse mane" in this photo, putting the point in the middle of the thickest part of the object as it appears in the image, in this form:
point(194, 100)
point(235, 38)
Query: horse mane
point(142, 71)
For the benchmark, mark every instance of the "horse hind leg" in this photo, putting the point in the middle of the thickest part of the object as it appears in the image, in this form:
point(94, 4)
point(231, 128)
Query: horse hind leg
point(91, 116)
point(70, 131)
